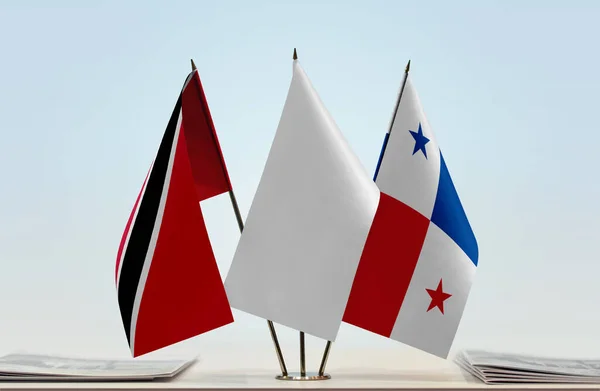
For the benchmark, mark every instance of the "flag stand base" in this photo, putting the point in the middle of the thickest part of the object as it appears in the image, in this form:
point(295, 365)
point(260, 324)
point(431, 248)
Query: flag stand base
point(297, 376)
point(303, 375)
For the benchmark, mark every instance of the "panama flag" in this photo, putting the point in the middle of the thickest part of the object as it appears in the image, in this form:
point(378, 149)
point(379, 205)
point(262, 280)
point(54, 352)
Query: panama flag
point(419, 261)
point(168, 283)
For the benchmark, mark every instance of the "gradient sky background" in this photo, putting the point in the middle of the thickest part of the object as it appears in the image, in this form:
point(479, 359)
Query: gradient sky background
point(510, 88)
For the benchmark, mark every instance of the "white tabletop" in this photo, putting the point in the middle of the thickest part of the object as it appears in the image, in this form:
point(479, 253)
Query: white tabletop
point(349, 369)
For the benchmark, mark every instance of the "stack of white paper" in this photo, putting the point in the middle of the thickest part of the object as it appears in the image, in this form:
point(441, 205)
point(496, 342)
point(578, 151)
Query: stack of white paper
point(34, 367)
point(504, 368)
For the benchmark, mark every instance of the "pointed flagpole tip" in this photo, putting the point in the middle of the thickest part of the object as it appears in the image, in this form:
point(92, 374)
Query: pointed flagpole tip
point(193, 65)
point(407, 67)
point(295, 55)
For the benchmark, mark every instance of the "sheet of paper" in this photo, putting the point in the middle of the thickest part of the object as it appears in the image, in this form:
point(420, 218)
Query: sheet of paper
point(31, 366)
point(496, 368)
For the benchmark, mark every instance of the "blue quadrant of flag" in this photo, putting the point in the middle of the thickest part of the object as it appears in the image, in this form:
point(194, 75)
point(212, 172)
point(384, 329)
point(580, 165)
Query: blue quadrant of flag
point(449, 215)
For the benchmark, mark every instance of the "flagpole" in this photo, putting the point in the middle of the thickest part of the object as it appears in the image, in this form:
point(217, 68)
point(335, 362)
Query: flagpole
point(324, 359)
point(321, 374)
point(302, 347)
point(387, 135)
point(302, 356)
point(240, 222)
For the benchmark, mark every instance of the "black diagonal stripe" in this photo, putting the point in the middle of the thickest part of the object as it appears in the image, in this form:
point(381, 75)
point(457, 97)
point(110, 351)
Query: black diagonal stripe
point(141, 232)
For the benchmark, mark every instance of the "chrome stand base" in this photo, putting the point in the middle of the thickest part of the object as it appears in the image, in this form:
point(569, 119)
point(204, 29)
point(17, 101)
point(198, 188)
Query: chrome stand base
point(298, 376)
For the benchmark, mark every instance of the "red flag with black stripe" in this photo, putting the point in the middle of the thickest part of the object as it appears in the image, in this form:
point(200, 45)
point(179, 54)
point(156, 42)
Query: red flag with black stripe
point(168, 283)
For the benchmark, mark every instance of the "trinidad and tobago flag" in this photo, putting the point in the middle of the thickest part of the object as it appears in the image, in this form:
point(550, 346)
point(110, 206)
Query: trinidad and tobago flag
point(168, 282)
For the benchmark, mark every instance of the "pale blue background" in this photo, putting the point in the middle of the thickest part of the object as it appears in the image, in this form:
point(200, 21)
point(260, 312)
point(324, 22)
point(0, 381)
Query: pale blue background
point(510, 88)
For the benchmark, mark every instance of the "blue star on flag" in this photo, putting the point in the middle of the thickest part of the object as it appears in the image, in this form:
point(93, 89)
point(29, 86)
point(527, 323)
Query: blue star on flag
point(420, 141)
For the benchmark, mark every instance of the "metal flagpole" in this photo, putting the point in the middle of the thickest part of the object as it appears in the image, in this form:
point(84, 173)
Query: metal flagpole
point(324, 359)
point(238, 216)
point(302, 356)
point(240, 222)
point(406, 70)
point(321, 375)
point(387, 135)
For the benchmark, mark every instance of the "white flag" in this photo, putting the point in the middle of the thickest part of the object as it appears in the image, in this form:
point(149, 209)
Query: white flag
point(417, 296)
point(308, 223)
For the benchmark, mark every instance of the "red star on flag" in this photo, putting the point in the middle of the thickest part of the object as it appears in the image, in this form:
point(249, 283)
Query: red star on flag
point(438, 297)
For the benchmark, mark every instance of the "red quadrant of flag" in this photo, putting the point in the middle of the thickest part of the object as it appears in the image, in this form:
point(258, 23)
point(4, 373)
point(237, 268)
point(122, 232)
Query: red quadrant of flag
point(386, 266)
point(184, 294)
point(208, 168)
